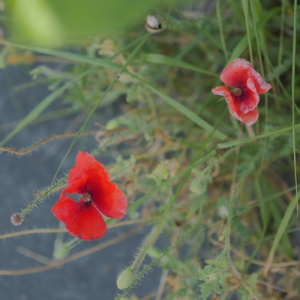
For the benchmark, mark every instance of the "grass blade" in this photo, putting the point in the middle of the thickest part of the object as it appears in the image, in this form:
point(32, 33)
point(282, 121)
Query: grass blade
point(100, 62)
point(242, 45)
point(293, 95)
point(280, 232)
point(165, 60)
point(218, 8)
point(258, 137)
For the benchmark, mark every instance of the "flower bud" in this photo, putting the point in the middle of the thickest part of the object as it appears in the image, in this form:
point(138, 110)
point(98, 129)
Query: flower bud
point(153, 22)
point(223, 211)
point(16, 219)
point(125, 278)
point(153, 25)
point(112, 124)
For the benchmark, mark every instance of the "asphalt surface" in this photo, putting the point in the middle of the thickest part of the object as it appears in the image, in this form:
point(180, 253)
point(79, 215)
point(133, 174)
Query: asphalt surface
point(90, 277)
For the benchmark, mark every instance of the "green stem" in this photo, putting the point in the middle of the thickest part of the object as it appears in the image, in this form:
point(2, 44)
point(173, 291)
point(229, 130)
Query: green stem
point(218, 7)
point(246, 12)
point(293, 93)
point(26, 211)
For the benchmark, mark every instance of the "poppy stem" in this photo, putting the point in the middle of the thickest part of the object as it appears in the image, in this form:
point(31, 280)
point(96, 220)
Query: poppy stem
point(30, 207)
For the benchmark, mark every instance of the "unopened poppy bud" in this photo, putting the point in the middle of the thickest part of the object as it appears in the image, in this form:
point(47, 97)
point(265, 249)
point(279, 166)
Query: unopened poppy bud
point(112, 124)
point(16, 219)
point(152, 22)
point(223, 211)
point(125, 278)
point(153, 25)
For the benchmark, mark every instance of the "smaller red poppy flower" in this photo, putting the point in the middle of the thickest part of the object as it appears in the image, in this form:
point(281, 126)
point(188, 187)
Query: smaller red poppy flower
point(247, 84)
point(98, 195)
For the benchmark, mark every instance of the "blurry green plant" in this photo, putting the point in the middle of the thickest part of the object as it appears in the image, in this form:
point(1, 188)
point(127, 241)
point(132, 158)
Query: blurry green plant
point(56, 22)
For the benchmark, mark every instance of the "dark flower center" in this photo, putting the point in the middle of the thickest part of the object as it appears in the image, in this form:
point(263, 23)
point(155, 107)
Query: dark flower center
point(237, 92)
point(86, 204)
point(87, 200)
point(86, 197)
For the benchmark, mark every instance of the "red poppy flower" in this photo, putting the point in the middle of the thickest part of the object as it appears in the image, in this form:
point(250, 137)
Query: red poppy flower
point(247, 84)
point(99, 195)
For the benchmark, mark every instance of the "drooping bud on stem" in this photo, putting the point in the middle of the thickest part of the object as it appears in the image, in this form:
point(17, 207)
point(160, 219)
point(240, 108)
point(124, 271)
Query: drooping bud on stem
point(16, 219)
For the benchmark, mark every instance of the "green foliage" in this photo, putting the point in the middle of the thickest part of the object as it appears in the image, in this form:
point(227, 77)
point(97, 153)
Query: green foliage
point(251, 282)
point(160, 173)
point(214, 276)
point(213, 281)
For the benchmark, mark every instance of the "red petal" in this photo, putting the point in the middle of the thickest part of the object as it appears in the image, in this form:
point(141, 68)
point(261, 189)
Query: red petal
point(237, 73)
point(83, 222)
point(111, 201)
point(235, 106)
point(89, 175)
point(79, 185)
point(250, 99)
point(85, 163)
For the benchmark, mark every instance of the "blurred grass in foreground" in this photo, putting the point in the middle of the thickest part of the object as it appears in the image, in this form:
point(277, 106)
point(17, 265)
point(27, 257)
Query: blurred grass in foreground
point(56, 22)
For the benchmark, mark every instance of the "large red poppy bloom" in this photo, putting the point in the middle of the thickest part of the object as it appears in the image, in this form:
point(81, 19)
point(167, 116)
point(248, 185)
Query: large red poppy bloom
point(98, 195)
point(247, 84)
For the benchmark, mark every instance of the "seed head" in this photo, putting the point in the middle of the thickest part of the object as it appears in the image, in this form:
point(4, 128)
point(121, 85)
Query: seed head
point(16, 219)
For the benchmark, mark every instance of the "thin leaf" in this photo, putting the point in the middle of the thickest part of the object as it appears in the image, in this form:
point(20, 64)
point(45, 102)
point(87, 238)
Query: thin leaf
point(242, 45)
point(280, 232)
point(258, 137)
point(165, 60)
point(218, 8)
point(100, 62)
point(293, 95)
